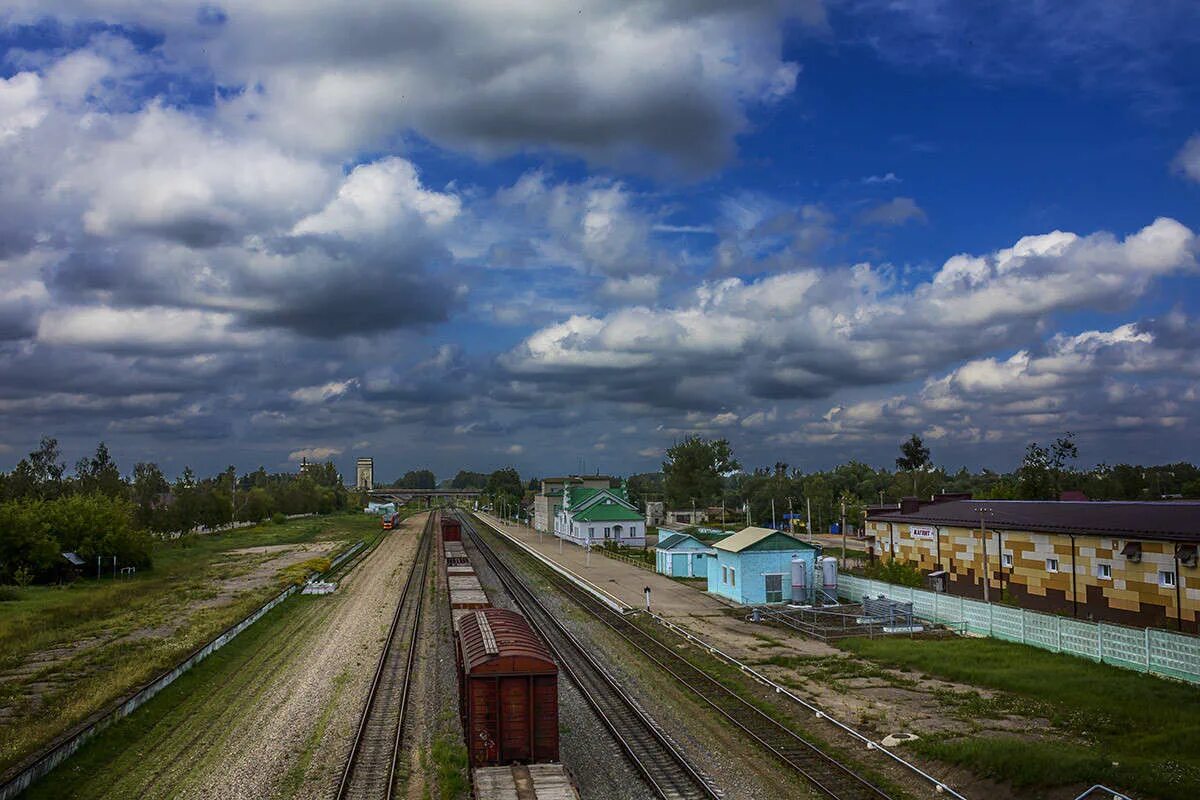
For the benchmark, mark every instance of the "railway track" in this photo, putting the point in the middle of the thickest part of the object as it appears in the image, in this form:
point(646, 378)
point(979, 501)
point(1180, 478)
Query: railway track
point(823, 772)
point(370, 771)
point(661, 763)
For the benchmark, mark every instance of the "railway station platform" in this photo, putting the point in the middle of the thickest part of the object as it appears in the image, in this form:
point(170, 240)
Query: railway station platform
point(622, 582)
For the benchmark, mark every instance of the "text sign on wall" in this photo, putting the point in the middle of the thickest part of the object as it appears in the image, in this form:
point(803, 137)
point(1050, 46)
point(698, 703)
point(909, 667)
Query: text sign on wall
point(922, 532)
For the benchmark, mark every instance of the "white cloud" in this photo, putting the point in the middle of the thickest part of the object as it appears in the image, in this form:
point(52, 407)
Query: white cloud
point(21, 106)
point(143, 329)
point(889, 177)
point(896, 211)
point(315, 453)
point(378, 196)
point(324, 392)
point(1187, 161)
point(515, 449)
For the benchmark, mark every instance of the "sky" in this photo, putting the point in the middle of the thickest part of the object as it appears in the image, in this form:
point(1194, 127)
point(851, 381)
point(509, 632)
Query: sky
point(464, 234)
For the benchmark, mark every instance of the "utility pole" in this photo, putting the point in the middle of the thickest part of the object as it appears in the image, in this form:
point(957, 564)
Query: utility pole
point(808, 516)
point(773, 526)
point(983, 533)
point(845, 558)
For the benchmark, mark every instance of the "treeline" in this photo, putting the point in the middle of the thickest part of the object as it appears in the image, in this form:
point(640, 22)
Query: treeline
point(706, 474)
point(98, 512)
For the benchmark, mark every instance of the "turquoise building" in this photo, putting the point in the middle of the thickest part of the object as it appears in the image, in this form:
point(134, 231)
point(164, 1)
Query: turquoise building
point(681, 555)
point(754, 566)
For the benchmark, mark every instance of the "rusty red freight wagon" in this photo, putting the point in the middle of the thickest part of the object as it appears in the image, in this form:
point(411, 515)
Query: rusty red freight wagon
point(451, 530)
point(508, 689)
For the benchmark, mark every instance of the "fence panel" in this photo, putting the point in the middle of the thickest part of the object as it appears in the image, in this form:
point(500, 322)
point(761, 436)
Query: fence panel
point(1041, 630)
point(978, 617)
point(1006, 623)
point(1125, 647)
point(1080, 638)
point(1175, 655)
point(923, 604)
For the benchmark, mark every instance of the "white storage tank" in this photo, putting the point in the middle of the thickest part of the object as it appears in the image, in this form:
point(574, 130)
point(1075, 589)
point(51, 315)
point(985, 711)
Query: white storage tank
point(829, 575)
point(799, 581)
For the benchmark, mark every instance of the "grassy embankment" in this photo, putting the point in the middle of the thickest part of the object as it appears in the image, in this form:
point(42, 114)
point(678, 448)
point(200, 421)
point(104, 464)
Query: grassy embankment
point(75, 649)
point(1108, 725)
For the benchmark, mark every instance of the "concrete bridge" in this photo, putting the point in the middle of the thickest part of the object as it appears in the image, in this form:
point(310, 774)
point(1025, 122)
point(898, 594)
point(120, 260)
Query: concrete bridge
point(402, 496)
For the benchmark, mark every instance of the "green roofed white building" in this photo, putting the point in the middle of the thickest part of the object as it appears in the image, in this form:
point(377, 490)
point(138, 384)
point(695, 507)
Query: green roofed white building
point(593, 515)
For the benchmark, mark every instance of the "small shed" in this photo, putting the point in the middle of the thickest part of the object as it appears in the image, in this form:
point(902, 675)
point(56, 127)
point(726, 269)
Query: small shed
point(754, 566)
point(681, 555)
point(508, 689)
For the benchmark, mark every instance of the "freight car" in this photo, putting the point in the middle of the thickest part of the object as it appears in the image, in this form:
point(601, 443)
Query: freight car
point(507, 688)
point(451, 529)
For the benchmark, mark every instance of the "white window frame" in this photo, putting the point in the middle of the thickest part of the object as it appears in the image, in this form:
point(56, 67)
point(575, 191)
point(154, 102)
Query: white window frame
point(1006, 560)
point(607, 531)
point(732, 577)
point(1052, 565)
point(1104, 572)
point(1167, 578)
point(724, 574)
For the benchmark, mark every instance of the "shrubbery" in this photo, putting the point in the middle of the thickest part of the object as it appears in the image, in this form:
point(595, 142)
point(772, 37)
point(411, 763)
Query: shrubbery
point(896, 572)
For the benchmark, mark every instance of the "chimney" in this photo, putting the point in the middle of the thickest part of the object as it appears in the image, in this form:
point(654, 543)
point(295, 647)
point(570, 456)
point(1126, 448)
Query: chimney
point(910, 505)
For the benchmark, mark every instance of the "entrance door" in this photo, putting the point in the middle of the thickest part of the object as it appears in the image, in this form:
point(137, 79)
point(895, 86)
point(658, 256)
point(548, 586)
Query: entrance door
point(774, 587)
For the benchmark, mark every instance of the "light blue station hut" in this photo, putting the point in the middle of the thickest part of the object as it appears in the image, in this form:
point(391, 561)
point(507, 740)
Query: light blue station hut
point(681, 555)
point(754, 566)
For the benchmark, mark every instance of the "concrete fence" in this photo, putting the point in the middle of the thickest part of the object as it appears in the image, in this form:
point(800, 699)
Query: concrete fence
point(41, 764)
point(1152, 650)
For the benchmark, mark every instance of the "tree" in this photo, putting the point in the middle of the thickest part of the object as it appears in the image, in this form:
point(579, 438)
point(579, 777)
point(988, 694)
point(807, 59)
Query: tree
point(40, 474)
point(1043, 471)
point(99, 473)
point(914, 457)
point(469, 480)
point(695, 471)
point(149, 493)
point(418, 479)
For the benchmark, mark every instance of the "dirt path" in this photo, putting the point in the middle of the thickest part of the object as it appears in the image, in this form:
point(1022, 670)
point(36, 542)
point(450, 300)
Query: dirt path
point(277, 722)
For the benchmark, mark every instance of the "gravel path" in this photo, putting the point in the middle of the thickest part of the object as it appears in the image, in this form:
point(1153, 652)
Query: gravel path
point(312, 708)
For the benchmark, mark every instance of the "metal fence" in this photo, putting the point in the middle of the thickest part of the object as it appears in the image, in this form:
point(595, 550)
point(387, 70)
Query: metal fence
point(1153, 650)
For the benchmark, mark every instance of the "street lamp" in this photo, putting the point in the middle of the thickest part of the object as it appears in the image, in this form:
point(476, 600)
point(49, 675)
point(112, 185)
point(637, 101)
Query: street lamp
point(982, 511)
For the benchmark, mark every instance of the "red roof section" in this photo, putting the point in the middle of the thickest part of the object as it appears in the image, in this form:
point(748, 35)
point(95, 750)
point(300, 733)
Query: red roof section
point(496, 640)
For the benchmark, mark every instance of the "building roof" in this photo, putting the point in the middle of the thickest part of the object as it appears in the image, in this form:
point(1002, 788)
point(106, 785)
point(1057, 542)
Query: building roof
point(759, 539)
point(74, 559)
point(491, 638)
point(606, 512)
point(1130, 520)
point(675, 539)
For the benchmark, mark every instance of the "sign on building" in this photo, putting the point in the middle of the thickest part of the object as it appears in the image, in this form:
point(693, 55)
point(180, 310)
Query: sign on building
point(922, 532)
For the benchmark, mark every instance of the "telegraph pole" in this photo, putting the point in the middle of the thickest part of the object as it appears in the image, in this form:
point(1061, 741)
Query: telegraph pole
point(983, 534)
point(845, 558)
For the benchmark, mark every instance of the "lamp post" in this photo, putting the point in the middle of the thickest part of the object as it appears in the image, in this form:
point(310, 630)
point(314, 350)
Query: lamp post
point(982, 511)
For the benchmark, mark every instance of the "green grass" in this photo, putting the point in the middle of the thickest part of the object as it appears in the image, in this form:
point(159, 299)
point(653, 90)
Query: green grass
point(165, 604)
point(451, 768)
point(1148, 726)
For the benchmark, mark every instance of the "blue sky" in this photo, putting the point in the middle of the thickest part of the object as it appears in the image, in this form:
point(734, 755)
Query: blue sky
point(457, 234)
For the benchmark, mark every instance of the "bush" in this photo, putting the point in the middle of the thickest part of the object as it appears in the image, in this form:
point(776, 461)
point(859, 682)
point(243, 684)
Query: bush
point(279, 518)
point(9, 593)
point(897, 572)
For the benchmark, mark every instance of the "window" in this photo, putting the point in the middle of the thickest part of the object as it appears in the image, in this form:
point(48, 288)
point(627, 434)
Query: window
point(1104, 572)
point(733, 577)
point(591, 531)
point(1166, 578)
point(1051, 565)
point(607, 531)
point(724, 574)
point(774, 588)
point(1006, 560)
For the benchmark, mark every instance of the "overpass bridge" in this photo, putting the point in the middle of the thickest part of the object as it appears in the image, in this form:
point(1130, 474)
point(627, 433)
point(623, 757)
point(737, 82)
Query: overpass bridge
point(401, 496)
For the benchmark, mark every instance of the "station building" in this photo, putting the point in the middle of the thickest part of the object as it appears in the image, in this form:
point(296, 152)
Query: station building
point(591, 516)
point(548, 501)
point(754, 566)
point(1133, 563)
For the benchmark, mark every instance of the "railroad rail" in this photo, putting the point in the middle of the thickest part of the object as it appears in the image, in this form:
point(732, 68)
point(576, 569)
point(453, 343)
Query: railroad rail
point(824, 773)
point(665, 768)
point(370, 771)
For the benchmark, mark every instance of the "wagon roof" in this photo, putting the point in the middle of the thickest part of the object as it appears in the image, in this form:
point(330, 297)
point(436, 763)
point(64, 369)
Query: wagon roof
point(491, 637)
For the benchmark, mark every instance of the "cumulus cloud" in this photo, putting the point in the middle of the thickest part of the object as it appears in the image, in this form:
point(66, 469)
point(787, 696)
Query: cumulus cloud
point(803, 334)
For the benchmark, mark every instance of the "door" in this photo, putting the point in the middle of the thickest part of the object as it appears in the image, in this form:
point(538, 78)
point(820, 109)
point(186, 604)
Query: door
point(774, 587)
point(515, 725)
point(679, 564)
